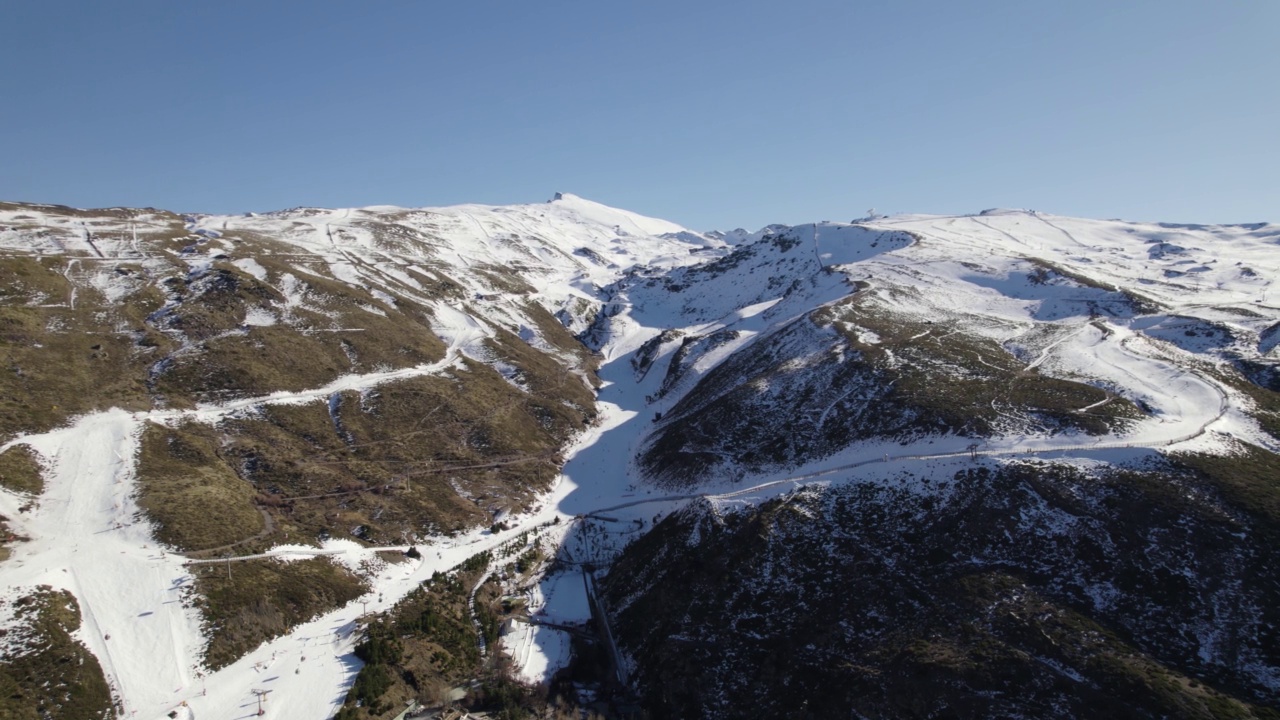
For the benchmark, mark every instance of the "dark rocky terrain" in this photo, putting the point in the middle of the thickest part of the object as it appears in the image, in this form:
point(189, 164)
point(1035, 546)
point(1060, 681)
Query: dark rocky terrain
point(1025, 590)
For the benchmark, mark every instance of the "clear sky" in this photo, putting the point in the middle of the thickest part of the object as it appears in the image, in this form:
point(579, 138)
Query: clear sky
point(714, 114)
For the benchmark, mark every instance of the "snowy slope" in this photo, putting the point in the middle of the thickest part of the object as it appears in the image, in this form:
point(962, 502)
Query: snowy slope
point(1109, 312)
point(563, 247)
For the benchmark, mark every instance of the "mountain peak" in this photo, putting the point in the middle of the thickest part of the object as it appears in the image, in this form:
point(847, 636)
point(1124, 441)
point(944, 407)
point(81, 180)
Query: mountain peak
point(624, 221)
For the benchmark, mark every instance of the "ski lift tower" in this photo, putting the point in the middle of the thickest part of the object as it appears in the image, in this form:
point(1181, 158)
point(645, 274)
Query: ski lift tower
point(262, 698)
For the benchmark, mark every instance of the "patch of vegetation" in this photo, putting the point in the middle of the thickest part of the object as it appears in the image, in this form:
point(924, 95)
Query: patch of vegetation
point(1266, 401)
point(970, 385)
point(691, 349)
point(308, 353)
point(546, 379)
point(555, 333)
point(418, 456)
point(20, 471)
point(643, 358)
point(420, 650)
point(784, 241)
point(176, 332)
point(48, 309)
point(215, 302)
point(44, 671)
point(1141, 304)
point(685, 277)
point(1249, 480)
point(1029, 589)
point(7, 538)
point(392, 465)
point(504, 279)
point(195, 500)
point(428, 644)
point(247, 603)
point(379, 649)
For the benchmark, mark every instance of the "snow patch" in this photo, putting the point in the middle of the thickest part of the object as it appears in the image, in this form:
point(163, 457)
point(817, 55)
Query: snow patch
point(259, 317)
point(252, 267)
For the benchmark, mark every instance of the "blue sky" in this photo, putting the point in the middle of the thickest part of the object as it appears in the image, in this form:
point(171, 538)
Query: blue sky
point(711, 114)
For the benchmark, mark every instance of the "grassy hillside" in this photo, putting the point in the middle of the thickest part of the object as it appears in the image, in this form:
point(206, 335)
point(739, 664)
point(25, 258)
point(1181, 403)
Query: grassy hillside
point(45, 673)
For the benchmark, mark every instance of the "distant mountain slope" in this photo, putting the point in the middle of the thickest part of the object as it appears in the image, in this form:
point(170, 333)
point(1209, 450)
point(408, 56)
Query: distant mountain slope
point(1005, 324)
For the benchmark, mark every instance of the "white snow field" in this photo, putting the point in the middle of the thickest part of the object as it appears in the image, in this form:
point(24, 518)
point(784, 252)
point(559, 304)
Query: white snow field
point(988, 269)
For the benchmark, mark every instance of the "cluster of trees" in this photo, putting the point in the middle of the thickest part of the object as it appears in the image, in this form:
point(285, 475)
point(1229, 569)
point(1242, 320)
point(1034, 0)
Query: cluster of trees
point(380, 649)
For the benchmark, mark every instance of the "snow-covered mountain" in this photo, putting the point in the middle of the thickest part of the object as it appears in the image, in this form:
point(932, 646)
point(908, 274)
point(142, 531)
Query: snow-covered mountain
point(548, 381)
